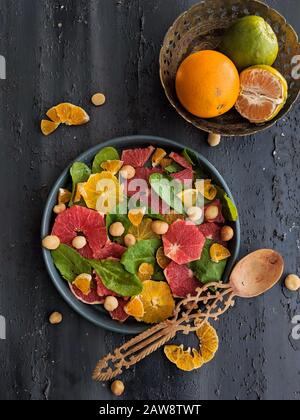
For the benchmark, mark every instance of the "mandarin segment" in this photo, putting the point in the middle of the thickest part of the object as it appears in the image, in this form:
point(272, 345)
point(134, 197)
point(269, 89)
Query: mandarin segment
point(173, 352)
point(78, 116)
point(146, 271)
point(64, 111)
point(48, 127)
point(52, 115)
point(209, 341)
point(64, 196)
point(135, 216)
point(135, 308)
point(143, 231)
point(161, 259)
point(112, 166)
point(219, 253)
point(103, 185)
point(158, 156)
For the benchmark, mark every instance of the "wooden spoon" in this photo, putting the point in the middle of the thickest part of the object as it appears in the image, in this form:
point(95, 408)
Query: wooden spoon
point(252, 276)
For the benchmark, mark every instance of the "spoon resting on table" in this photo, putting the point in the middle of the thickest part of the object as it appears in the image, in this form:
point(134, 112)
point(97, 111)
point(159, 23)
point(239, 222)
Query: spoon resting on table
point(252, 276)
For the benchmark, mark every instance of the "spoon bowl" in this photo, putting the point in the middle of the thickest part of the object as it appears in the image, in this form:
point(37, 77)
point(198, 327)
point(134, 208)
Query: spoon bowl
point(256, 273)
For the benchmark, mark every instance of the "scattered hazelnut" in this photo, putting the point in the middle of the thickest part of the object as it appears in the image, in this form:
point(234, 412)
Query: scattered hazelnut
point(111, 303)
point(127, 172)
point(55, 318)
point(159, 227)
point(227, 233)
point(117, 388)
point(214, 139)
point(194, 213)
point(51, 242)
point(116, 229)
point(211, 212)
point(79, 242)
point(292, 282)
point(129, 240)
point(60, 208)
point(98, 99)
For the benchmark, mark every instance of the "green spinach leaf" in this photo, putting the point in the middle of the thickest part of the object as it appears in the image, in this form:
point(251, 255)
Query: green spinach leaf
point(108, 153)
point(116, 278)
point(173, 168)
point(70, 263)
point(80, 172)
point(167, 191)
point(189, 156)
point(229, 209)
point(205, 269)
point(141, 252)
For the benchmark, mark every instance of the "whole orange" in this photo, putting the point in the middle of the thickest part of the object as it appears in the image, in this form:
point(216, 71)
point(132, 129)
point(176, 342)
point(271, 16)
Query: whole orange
point(207, 84)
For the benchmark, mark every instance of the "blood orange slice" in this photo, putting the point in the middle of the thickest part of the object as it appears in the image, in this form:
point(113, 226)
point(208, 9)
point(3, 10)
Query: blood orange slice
point(183, 243)
point(263, 93)
point(185, 175)
point(137, 157)
point(82, 221)
point(91, 299)
point(181, 280)
point(111, 250)
point(211, 231)
point(180, 160)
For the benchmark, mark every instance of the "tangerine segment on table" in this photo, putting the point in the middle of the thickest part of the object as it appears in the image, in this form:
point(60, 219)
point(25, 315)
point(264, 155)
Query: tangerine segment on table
point(48, 127)
point(209, 341)
point(263, 93)
point(207, 84)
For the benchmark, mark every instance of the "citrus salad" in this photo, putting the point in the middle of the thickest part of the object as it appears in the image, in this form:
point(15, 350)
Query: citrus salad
point(136, 231)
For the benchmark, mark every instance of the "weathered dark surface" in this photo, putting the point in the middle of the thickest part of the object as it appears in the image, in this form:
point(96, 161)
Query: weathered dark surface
point(67, 50)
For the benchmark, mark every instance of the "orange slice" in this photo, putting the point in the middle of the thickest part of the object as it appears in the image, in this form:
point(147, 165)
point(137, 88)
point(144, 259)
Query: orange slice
point(173, 352)
point(52, 115)
point(80, 192)
point(263, 93)
point(158, 156)
point(64, 112)
point(64, 196)
point(143, 231)
point(158, 302)
point(161, 259)
point(112, 166)
point(146, 271)
point(135, 308)
point(102, 192)
point(219, 253)
point(136, 216)
point(78, 116)
point(206, 188)
point(48, 127)
point(209, 342)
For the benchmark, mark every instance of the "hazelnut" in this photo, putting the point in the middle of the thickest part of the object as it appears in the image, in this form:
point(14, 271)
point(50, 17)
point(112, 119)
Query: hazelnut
point(116, 229)
point(117, 388)
point(194, 213)
point(98, 99)
point(51, 242)
point(159, 227)
point(60, 208)
point(129, 240)
point(55, 318)
point(127, 172)
point(79, 242)
point(292, 282)
point(227, 233)
point(214, 139)
point(111, 303)
point(211, 212)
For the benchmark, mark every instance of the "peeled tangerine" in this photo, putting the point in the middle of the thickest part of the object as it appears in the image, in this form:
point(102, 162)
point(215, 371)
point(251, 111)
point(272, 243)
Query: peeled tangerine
point(263, 93)
point(158, 302)
point(64, 113)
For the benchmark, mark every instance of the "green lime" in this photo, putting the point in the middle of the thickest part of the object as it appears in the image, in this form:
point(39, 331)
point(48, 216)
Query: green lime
point(250, 41)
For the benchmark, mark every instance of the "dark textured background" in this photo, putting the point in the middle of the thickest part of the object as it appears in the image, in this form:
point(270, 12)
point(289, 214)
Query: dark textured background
point(67, 50)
